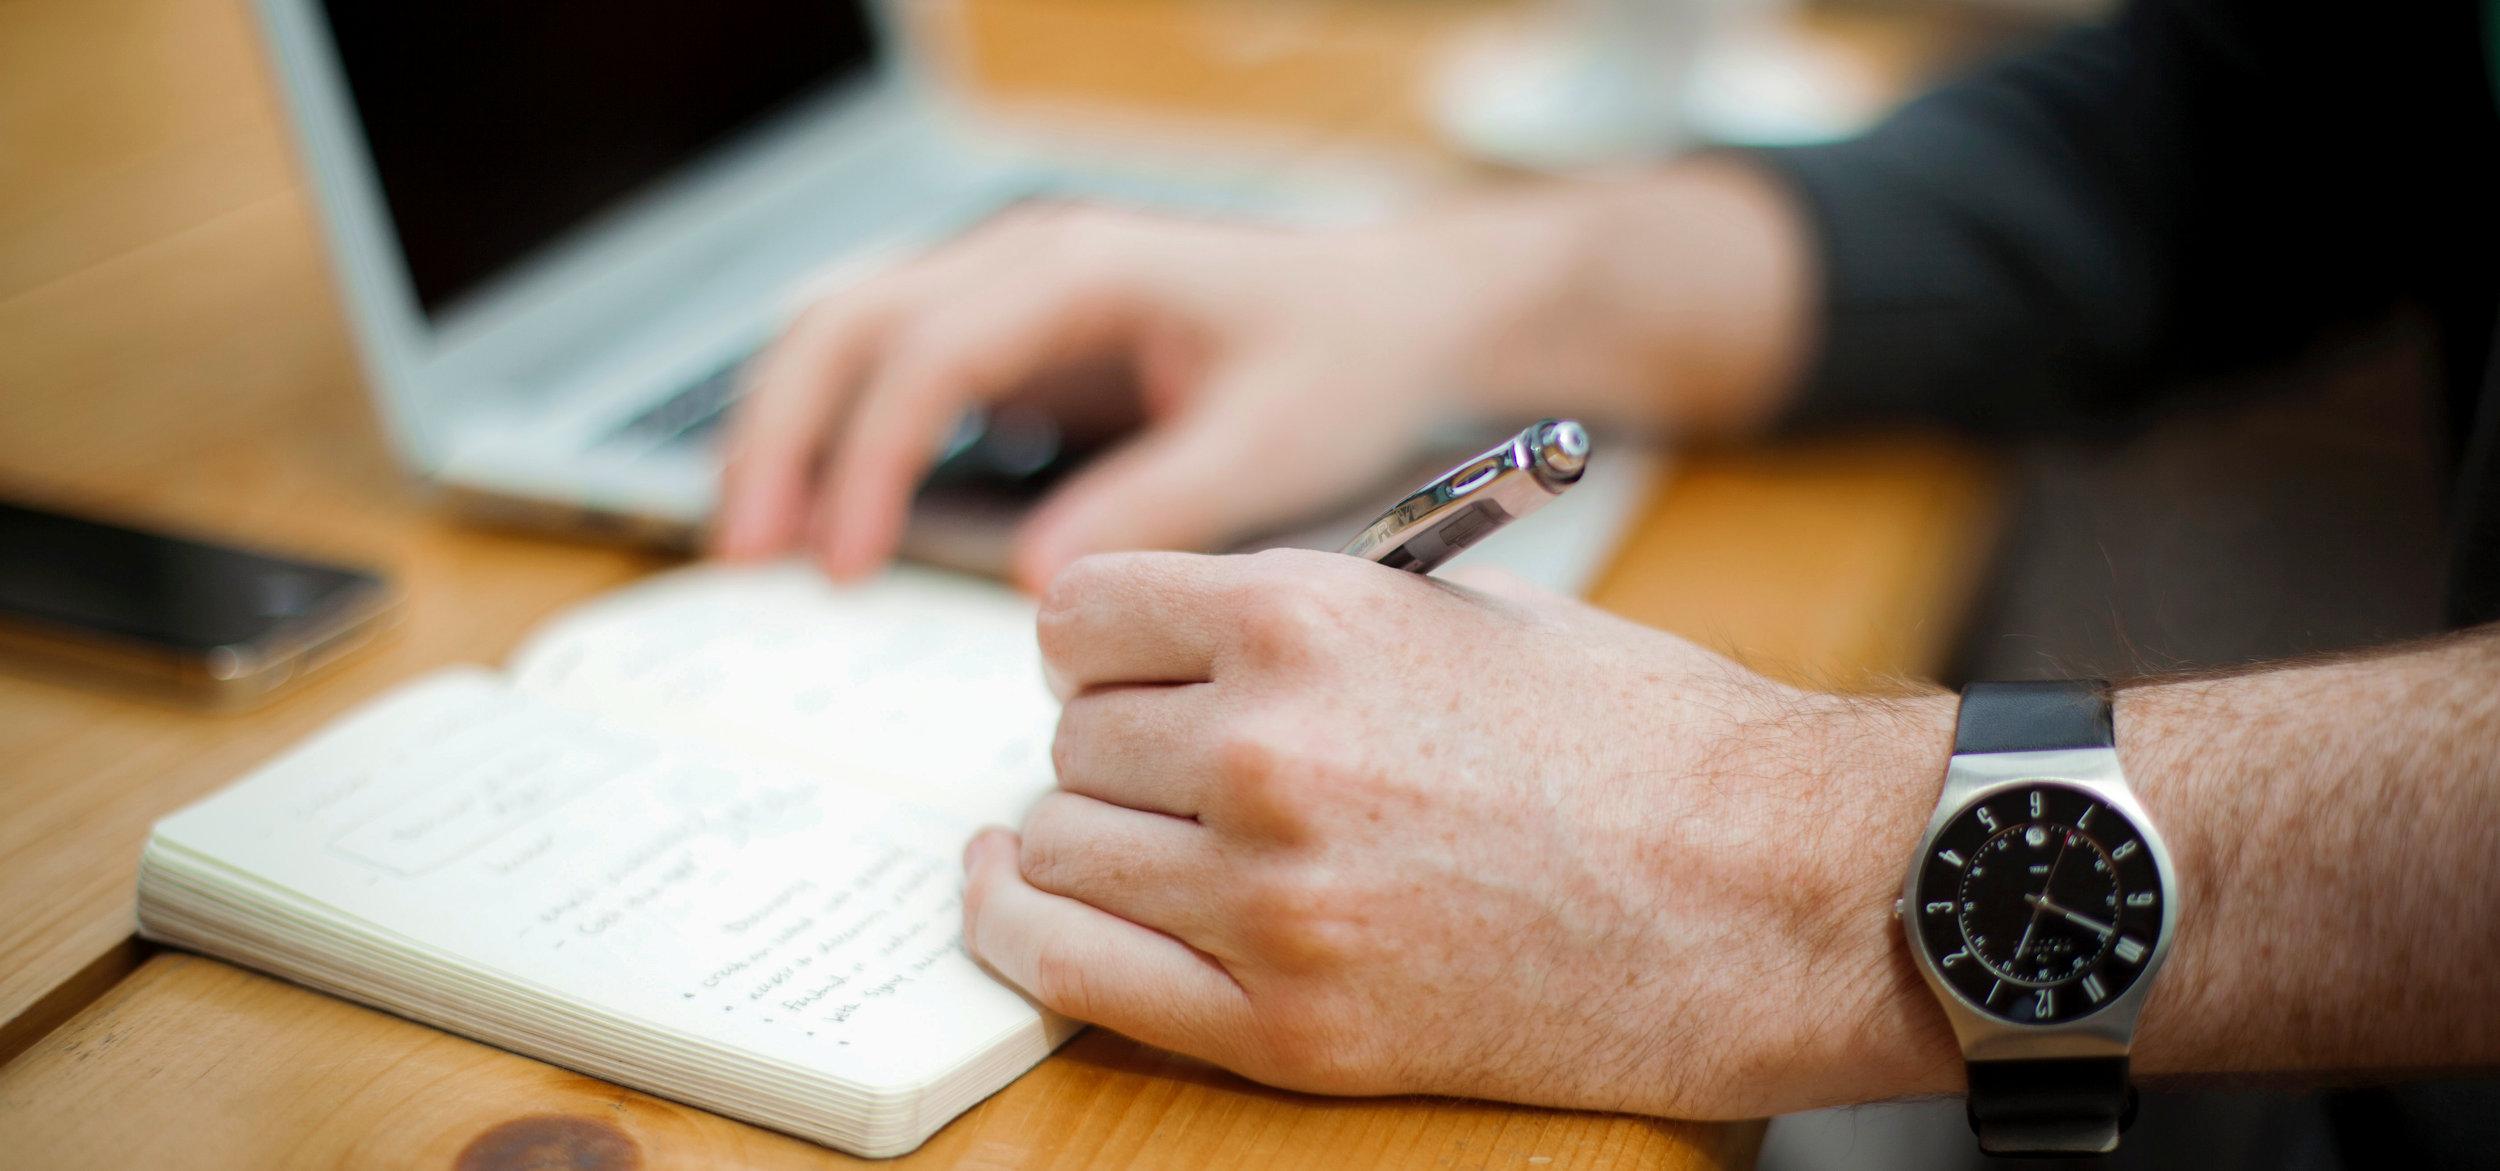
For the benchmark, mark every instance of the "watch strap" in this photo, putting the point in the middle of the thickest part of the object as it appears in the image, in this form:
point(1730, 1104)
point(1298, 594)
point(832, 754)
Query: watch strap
point(2044, 1106)
point(2034, 716)
point(2070, 1106)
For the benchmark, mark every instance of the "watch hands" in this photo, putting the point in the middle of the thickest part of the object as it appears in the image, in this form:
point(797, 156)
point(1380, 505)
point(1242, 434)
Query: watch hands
point(2043, 903)
point(2025, 941)
point(2042, 897)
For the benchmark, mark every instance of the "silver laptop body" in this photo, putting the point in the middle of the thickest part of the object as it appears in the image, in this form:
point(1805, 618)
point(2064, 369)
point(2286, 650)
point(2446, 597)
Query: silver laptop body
point(560, 226)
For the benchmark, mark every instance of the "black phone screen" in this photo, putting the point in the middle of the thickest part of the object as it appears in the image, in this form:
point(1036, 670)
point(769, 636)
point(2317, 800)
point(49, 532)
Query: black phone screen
point(173, 592)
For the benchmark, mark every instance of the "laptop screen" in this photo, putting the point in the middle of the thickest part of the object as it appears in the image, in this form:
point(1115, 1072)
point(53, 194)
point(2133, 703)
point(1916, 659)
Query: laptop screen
point(496, 126)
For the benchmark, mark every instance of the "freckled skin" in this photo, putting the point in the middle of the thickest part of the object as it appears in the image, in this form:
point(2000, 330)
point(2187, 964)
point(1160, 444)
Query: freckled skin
point(1388, 851)
point(1343, 829)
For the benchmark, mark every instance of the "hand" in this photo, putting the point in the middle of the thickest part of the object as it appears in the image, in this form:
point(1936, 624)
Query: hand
point(1348, 830)
point(1276, 372)
point(2041, 903)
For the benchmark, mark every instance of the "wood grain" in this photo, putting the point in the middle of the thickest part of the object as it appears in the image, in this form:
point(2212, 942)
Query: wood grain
point(170, 350)
point(1839, 563)
point(232, 1069)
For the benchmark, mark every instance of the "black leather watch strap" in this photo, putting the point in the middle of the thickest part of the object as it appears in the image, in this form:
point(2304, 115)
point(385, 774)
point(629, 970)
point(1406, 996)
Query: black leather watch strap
point(2046, 1106)
point(2036, 716)
point(2071, 1106)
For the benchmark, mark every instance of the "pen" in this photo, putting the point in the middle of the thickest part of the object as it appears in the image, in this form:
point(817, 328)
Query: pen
point(1443, 518)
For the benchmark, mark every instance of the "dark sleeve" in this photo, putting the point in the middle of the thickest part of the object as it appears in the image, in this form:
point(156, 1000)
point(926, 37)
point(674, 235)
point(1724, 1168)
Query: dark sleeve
point(2075, 232)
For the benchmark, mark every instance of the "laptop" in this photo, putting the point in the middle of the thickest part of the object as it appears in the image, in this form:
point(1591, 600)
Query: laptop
point(561, 227)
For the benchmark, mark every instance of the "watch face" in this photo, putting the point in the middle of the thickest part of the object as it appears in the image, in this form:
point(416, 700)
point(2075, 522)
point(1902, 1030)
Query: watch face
point(2040, 903)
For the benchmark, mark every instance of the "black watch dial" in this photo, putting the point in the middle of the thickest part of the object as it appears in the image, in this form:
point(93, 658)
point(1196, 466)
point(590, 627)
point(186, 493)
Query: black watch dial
point(2040, 904)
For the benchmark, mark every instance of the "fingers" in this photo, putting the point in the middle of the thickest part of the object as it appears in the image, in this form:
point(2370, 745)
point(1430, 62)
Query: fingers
point(1133, 618)
point(1148, 868)
point(794, 395)
point(1189, 484)
point(846, 412)
point(1142, 747)
point(953, 357)
point(1093, 965)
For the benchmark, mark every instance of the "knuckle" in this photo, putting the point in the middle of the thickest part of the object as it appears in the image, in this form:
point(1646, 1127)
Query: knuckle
point(1061, 981)
point(937, 354)
point(1304, 593)
point(1059, 620)
point(1068, 591)
point(1246, 757)
point(1067, 753)
point(1096, 580)
point(1286, 626)
point(1300, 920)
point(1257, 769)
point(1277, 781)
point(1048, 847)
point(1084, 580)
point(1055, 633)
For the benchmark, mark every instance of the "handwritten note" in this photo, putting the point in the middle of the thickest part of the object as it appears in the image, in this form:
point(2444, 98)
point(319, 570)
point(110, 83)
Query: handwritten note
point(779, 912)
point(928, 683)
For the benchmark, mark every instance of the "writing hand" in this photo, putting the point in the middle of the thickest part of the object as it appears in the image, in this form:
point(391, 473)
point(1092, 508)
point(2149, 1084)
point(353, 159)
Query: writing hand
point(1345, 829)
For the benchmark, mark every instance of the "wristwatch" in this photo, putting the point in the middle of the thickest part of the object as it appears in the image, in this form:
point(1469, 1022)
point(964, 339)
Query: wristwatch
point(2039, 906)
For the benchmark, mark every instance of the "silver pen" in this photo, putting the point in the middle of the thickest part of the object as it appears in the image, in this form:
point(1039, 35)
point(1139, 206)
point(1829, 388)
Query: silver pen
point(1442, 519)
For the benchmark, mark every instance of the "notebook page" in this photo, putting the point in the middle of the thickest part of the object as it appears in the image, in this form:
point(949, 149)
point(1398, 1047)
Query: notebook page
point(927, 680)
point(780, 914)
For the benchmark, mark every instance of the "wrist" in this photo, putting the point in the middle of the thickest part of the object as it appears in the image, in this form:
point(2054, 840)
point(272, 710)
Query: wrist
point(1678, 300)
point(2209, 760)
point(1867, 1027)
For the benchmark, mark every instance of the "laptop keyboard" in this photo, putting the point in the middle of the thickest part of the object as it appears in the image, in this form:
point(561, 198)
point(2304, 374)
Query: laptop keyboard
point(692, 415)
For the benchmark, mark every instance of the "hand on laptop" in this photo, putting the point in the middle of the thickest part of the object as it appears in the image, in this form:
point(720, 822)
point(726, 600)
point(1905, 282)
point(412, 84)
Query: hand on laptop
point(1278, 371)
point(1349, 830)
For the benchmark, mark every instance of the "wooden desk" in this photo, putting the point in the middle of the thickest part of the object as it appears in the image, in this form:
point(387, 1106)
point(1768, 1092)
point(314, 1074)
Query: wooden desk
point(170, 349)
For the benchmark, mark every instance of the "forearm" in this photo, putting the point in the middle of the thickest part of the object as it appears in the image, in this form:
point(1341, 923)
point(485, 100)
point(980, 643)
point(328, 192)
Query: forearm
point(1678, 299)
point(2335, 833)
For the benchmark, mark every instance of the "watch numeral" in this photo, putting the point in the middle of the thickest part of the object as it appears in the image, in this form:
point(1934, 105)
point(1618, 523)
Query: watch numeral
point(2092, 988)
point(2130, 950)
point(2122, 851)
point(1954, 958)
point(2035, 802)
point(2142, 898)
point(2044, 1004)
point(1950, 856)
point(2086, 819)
point(1939, 908)
point(1986, 818)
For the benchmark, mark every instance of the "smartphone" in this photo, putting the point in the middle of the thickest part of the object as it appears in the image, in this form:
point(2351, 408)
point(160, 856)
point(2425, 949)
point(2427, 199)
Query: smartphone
point(212, 623)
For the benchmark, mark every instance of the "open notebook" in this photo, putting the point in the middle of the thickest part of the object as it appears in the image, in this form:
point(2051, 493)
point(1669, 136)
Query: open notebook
point(702, 837)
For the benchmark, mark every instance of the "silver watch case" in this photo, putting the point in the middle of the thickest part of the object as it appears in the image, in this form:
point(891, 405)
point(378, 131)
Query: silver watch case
point(2107, 1032)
